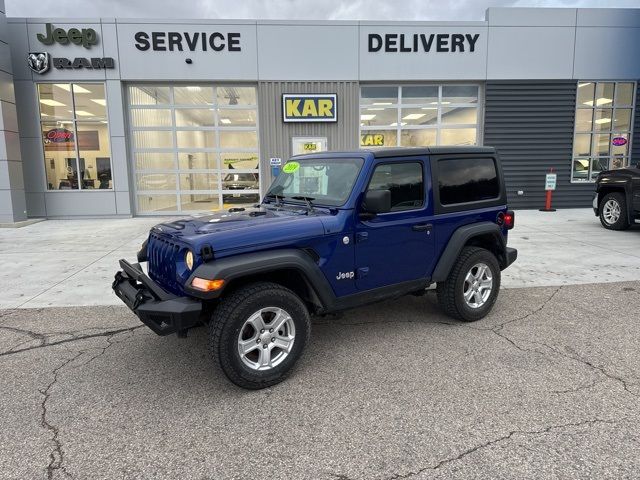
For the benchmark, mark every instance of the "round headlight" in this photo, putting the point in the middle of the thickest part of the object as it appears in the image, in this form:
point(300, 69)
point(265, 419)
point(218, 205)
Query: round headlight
point(188, 259)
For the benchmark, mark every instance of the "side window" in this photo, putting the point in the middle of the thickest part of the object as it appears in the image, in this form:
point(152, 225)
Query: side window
point(404, 180)
point(463, 180)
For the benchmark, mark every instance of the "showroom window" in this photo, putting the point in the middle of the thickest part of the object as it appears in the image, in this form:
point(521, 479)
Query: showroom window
point(195, 147)
point(419, 115)
point(603, 125)
point(75, 135)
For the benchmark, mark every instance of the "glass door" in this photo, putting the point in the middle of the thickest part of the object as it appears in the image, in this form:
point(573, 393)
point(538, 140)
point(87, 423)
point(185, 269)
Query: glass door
point(194, 147)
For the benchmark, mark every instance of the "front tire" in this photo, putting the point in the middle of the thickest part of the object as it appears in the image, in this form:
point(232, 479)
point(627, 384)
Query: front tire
point(471, 289)
point(257, 334)
point(613, 212)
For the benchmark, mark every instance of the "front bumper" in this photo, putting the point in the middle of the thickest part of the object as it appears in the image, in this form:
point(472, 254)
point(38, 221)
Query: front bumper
point(161, 311)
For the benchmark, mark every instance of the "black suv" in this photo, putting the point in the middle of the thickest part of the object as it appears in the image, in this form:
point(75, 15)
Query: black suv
point(617, 197)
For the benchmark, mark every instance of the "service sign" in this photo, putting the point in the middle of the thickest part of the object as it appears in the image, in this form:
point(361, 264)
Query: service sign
point(310, 107)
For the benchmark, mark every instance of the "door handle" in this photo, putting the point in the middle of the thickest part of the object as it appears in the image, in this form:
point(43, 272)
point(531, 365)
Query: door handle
point(422, 227)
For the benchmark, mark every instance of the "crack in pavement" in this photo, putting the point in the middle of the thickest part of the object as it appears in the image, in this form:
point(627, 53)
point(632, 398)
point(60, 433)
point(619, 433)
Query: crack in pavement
point(110, 343)
point(42, 338)
point(495, 441)
point(576, 389)
point(108, 333)
point(56, 457)
point(576, 357)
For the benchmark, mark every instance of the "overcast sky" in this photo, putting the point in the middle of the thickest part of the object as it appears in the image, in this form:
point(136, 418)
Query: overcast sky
point(287, 9)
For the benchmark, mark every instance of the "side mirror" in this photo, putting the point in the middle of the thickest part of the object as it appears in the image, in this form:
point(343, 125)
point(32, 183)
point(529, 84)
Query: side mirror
point(377, 201)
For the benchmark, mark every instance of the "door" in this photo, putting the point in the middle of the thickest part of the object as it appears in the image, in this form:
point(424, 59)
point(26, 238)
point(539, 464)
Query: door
point(300, 145)
point(397, 246)
point(635, 190)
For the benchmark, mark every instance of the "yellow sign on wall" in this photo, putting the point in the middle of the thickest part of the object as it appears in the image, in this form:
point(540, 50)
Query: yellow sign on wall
point(310, 147)
point(309, 108)
point(372, 140)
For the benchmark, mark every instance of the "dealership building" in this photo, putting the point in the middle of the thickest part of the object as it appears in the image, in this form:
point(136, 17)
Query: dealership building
point(126, 117)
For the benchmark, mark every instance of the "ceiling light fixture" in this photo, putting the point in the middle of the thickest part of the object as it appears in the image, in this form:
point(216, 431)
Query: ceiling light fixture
point(226, 121)
point(76, 88)
point(52, 103)
point(414, 116)
point(368, 117)
point(603, 120)
point(83, 113)
point(382, 103)
point(99, 101)
point(599, 101)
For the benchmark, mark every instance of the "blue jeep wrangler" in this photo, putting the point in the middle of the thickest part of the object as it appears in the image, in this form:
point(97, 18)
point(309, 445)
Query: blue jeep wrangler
point(334, 231)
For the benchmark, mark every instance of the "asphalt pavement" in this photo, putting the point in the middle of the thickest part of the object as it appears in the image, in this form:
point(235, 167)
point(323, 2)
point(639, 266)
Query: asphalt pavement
point(547, 386)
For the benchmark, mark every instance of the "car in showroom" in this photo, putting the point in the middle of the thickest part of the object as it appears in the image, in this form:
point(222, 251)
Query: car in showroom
point(240, 181)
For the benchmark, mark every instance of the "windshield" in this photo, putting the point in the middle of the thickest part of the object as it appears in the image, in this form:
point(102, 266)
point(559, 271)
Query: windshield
point(325, 181)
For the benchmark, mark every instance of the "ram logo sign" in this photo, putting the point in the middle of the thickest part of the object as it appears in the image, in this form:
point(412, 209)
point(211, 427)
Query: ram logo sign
point(310, 108)
point(38, 61)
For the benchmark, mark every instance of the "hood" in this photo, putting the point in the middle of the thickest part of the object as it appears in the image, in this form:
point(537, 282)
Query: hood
point(241, 228)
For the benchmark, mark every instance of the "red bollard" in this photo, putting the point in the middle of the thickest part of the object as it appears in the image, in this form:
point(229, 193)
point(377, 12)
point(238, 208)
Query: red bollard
point(549, 185)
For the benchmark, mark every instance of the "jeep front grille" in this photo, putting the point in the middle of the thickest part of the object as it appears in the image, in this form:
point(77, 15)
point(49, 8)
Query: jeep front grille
point(163, 254)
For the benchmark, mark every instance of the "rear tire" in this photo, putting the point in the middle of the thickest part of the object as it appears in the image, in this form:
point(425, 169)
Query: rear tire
point(613, 212)
point(269, 324)
point(471, 289)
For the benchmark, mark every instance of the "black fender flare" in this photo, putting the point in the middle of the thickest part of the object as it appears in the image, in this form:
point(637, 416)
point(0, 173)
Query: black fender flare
point(623, 186)
point(247, 264)
point(457, 242)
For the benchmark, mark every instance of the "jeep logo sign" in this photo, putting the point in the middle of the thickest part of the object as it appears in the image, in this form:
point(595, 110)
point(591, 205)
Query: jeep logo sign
point(85, 37)
point(310, 108)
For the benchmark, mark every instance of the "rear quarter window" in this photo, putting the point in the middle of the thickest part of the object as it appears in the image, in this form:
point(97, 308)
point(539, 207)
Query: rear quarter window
point(464, 180)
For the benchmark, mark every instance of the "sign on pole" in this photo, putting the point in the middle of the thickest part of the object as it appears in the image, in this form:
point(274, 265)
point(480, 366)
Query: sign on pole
point(550, 181)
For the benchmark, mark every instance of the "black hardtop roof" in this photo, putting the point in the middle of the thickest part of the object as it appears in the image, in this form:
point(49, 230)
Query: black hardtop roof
point(411, 151)
point(406, 151)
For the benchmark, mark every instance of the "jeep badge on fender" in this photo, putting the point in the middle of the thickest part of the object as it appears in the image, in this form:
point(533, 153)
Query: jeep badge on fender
point(256, 275)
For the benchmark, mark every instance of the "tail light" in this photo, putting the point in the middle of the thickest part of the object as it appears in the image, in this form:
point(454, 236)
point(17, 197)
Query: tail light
point(506, 219)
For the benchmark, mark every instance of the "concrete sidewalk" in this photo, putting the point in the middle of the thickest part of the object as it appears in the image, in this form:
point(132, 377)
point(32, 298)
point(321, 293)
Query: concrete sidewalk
point(72, 262)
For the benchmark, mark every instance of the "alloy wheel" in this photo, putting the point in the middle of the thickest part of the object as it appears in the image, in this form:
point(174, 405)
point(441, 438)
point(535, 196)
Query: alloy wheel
point(478, 284)
point(611, 211)
point(266, 338)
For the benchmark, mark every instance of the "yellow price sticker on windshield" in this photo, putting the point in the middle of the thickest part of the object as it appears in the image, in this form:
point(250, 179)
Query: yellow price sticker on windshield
point(291, 167)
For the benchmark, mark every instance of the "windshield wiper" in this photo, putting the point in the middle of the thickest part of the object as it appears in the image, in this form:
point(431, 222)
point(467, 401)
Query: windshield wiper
point(307, 200)
point(278, 198)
